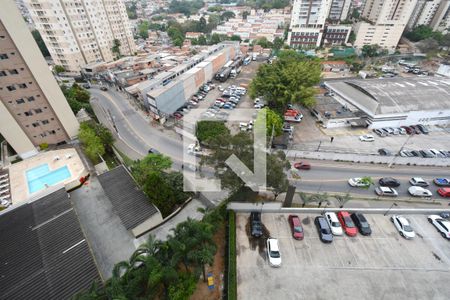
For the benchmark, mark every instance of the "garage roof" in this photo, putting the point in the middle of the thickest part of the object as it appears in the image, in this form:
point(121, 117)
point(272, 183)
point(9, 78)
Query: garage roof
point(395, 95)
point(130, 203)
point(43, 252)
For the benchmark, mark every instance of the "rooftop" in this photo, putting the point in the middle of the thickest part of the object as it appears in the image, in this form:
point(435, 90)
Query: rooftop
point(44, 254)
point(395, 95)
point(130, 203)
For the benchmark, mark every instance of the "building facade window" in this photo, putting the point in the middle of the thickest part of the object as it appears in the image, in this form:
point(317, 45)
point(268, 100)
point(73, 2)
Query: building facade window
point(20, 101)
point(3, 56)
point(38, 111)
point(13, 72)
point(11, 88)
point(28, 113)
point(2, 73)
point(22, 85)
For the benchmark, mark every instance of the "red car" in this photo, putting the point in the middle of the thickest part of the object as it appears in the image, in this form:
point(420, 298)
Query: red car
point(296, 227)
point(347, 223)
point(302, 165)
point(221, 99)
point(444, 192)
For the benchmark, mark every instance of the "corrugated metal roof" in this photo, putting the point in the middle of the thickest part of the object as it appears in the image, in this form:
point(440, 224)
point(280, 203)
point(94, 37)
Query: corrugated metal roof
point(43, 252)
point(128, 201)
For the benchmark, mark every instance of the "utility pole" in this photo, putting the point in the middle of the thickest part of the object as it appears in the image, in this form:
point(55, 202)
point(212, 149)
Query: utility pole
point(112, 120)
point(396, 154)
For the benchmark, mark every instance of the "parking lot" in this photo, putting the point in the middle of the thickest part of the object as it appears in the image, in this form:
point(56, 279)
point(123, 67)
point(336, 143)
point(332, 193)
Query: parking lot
point(380, 266)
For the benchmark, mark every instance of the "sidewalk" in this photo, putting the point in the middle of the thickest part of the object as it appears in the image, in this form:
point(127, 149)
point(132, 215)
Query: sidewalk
point(367, 158)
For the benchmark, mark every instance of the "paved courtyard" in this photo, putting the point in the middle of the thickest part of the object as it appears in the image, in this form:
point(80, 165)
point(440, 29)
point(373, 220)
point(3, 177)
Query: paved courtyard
point(382, 266)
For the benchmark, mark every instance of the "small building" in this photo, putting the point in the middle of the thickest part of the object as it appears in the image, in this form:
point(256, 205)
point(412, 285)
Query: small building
point(193, 35)
point(335, 66)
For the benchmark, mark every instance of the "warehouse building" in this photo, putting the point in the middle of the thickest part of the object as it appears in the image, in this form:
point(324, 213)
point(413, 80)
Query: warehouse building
point(165, 98)
point(396, 101)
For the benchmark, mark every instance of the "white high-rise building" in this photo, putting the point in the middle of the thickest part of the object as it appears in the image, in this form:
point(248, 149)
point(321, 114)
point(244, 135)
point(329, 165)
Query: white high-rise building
point(386, 21)
point(308, 22)
point(340, 10)
point(79, 32)
point(430, 13)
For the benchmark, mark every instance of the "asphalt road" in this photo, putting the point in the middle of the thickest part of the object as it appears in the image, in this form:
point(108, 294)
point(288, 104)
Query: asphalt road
point(326, 176)
point(138, 134)
point(134, 129)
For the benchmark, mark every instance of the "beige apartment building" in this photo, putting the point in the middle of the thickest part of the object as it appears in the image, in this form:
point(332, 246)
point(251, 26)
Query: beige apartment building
point(33, 109)
point(433, 13)
point(386, 21)
point(79, 32)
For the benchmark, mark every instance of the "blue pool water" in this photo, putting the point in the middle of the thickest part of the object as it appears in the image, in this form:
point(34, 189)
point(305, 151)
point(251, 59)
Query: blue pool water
point(41, 176)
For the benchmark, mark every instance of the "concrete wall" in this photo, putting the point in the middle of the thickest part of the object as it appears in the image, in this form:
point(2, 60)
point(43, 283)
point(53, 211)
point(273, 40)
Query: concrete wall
point(11, 131)
point(147, 224)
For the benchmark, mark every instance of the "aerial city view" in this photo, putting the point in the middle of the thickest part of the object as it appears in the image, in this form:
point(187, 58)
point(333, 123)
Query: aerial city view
point(220, 149)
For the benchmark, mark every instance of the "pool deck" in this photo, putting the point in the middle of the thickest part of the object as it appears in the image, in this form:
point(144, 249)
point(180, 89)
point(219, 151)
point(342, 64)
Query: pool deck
point(18, 179)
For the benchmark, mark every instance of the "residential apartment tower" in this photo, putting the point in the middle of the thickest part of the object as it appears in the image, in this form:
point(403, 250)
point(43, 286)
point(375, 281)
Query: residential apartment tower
point(79, 32)
point(33, 110)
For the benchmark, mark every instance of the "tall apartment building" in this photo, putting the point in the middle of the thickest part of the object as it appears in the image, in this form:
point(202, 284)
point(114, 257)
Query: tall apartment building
point(431, 13)
point(33, 109)
point(309, 26)
point(340, 10)
point(79, 32)
point(308, 22)
point(386, 21)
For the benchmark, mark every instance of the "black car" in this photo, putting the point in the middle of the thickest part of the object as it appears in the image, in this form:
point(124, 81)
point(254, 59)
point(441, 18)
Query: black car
point(256, 225)
point(361, 222)
point(104, 88)
point(423, 129)
point(384, 152)
point(324, 229)
point(389, 181)
point(426, 153)
point(416, 153)
point(86, 85)
point(153, 151)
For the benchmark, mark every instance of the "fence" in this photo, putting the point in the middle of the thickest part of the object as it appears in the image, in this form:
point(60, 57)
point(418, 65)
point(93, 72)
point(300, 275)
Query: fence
point(231, 283)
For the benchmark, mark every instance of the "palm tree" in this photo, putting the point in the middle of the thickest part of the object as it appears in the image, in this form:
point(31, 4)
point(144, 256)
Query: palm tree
point(343, 199)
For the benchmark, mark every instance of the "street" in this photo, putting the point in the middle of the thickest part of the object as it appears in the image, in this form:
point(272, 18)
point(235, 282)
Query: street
point(326, 176)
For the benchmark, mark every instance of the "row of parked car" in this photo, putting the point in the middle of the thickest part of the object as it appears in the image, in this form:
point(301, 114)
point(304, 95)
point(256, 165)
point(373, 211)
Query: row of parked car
point(195, 99)
point(427, 153)
point(417, 188)
point(331, 224)
point(403, 130)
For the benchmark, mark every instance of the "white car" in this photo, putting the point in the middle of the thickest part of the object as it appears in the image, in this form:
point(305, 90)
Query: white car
point(367, 138)
point(403, 227)
point(442, 225)
point(418, 181)
point(357, 182)
point(386, 191)
point(273, 252)
point(259, 105)
point(221, 88)
point(417, 191)
point(333, 221)
point(194, 150)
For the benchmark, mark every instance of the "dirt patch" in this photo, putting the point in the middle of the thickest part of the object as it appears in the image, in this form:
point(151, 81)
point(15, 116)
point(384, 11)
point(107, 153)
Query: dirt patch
point(202, 291)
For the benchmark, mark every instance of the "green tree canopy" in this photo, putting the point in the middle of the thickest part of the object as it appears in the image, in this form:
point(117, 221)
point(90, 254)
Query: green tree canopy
point(77, 97)
point(274, 122)
point(116, 48)
point(92, 143)
point(290, 79)
point(226, 15)
point(423, 32)
point(187, 8)
point(207, 130)
point(278, 43)
point(58, 69)
point(143, 28)
point(370, 50)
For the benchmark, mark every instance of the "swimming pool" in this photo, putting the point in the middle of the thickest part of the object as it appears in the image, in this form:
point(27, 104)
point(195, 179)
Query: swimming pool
point(40, 177)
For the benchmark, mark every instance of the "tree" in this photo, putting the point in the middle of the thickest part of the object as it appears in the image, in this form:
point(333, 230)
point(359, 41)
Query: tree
point(215, 39)
point(245, 14)
point(235, 37)
point(276, 177)
point(423, 32)
point(176, 35)
point(143, 28)
point(428, 45)
point(206, 130)
point(263, 42)
point(370, 50)
point(77, 97)
point(202, 25)
point(215, 8)
point(40, 42)
point(116, 48)
point(58, 69)
point(152, 163)
point(226, 15)
point(202, 40)
point(290, 79)
point(131, 11)
point(342, 199)
point(92, 144)
point(278, 43)
point(273, 122)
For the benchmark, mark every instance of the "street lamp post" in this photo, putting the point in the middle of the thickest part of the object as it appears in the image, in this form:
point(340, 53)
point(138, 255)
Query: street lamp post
point(262, 204)
point(393, 204)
